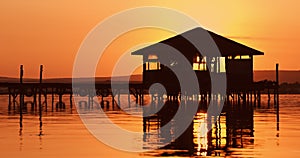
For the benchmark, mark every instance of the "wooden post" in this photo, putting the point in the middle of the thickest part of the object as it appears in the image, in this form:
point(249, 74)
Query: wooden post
point(136, 98)
point(89, 101)
point(119, 100)
point(14, 101)
point(277, 95)
point(258, 99)
point(140, 98)
point(40, 98)
point(239, 96)
point(92, 101)
point(60, 101)
point(21, 96)
point(41, 73)
point(251, 97)
point(228, 98)
point(71, 102)
point(128, 97)
point(102, 101)
point(52, 99)
point(269, 97)
point(112, 99)
point(244, 98)
point(9, 100)
point(255, 98)
point(248, 97)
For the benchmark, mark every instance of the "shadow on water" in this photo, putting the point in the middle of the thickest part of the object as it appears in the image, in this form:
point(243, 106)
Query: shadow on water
point(233, 128)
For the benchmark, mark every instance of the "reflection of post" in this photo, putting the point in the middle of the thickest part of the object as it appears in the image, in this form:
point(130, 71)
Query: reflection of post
point(34, 99)
point(209, 133)
point(277, 95)
point(21, 139)
point(14, 101)
point(21, 96)
point(46, 104)
point(239, 124)
point(60, 101)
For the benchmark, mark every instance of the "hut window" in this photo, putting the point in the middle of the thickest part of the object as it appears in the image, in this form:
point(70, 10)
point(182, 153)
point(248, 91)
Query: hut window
point(152, 56)
point(217, 64)
point(222, 64)
point(152, 62)
point(197, 59)
point(242, 57)
point(195, 66)
point(199, 63)
point(245, 57)
point(152, 65)
point(213, 62)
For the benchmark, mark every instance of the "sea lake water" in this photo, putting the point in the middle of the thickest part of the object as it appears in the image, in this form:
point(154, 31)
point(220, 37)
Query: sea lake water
point(64, 134)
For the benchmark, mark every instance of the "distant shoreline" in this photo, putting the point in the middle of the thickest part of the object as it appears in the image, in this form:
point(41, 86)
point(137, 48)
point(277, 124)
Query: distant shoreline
point(285, 76)
point(289, 79)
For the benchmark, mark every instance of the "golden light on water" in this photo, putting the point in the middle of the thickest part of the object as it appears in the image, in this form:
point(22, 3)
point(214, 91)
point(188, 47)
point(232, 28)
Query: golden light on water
point(200, 136)
point(205, 139)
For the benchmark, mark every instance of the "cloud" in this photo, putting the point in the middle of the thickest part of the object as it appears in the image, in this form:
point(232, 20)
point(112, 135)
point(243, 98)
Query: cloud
point(262, 38)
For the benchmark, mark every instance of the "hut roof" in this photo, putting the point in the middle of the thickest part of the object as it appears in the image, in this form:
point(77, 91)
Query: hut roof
point(226, 46)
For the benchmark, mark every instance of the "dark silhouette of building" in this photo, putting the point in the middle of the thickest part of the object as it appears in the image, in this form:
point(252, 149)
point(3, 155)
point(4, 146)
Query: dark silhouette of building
point(235, 60)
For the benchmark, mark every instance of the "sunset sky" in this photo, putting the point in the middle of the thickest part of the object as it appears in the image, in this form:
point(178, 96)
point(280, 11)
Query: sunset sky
point(50, 32)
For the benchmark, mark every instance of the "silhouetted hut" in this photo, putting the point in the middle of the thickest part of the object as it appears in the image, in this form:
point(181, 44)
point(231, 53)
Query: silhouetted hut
point(235, 60)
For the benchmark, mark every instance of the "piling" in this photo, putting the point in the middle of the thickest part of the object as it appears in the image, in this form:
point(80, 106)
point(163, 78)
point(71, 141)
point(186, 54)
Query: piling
point(46, 103)
point(128, 98)
point(52, 98)
point(113, 99)
point(71, 102)
point(40, 99)
point(21, 96)
point(258, 99)
point(119, 100)
point(277, 95)
point(9, 100)
point(269, 97)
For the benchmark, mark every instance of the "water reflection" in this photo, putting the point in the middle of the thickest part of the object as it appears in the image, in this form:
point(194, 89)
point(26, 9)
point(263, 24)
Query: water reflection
point(230, 132)
point(65, 136)
point(232, 129)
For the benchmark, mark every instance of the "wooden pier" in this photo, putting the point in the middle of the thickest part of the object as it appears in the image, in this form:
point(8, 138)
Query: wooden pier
point(252, 94)
point(40, 91)
point(136, 89)
point(34, 90)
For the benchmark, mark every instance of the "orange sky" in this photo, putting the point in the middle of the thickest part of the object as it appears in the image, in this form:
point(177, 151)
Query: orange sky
point(49, 32)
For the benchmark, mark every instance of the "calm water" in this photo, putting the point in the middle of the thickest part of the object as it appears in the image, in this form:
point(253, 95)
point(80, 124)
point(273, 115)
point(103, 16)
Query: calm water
point(242, 132)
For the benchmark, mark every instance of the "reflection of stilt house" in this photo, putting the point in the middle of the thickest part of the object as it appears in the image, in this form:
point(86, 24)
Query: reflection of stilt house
point(236, 61)
point(217, 135)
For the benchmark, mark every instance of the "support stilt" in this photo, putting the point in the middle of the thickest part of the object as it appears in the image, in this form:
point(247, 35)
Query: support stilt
point(21, 97)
